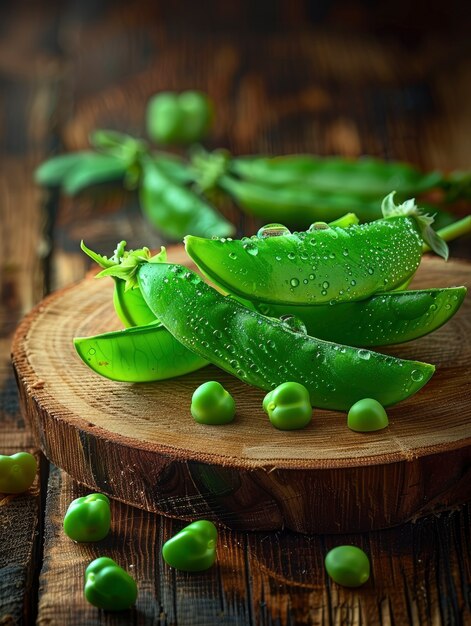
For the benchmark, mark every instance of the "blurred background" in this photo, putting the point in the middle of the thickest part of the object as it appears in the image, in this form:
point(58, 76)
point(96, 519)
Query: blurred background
point(326, 77)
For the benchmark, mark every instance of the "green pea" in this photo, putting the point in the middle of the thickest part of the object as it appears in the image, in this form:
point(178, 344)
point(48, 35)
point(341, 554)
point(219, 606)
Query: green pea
point(367, 415)
point(88, 518)
point(108, 586)
point(178, 118)
point(212, 404)
point(193, 549)
point(288, 406)
point(17, 472)
point(348, 566)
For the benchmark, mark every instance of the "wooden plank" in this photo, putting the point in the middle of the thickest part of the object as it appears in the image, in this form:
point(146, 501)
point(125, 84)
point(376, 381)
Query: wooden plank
point(420, 574)
point(27, 97)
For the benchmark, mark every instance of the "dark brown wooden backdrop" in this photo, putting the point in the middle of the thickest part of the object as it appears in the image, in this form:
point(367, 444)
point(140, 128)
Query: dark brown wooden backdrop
point(390, 79)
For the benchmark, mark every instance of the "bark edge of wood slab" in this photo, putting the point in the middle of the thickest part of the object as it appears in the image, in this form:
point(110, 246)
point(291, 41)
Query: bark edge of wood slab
point(139, 444)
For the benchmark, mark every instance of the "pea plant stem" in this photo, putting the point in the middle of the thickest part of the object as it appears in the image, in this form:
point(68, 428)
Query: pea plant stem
point(452, 231)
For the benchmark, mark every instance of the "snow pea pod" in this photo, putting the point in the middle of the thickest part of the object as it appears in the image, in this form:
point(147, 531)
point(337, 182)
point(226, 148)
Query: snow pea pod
point(384, 319)
point(137, 355)
point(296, 204)
point(366, 177)
point(175, 210)
point(265, 352)
point(325, 264)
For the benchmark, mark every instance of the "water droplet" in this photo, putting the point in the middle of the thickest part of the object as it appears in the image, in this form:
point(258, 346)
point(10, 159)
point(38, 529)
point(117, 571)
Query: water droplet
point(312, 276)
point(270, 343)
point(232, 255)
point(325, 284)
point(364, 354)
point(433, 307)
point(92, 351)
point(294, 323)
point(278, 258)
point(332, 255)
point(217, 333)
point(273, 230)
point(294, 282)
point(305, 281)
point(416, 375)
point(318, 226)
point(353, 283)
point(291, 256)
point(447, 306)
point(345, 253)
point(251, 248)
point(370, 270)
point(324, 292)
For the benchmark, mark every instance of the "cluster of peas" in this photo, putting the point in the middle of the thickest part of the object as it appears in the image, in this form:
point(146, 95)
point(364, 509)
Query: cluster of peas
point(107, 585)
point(288, 408)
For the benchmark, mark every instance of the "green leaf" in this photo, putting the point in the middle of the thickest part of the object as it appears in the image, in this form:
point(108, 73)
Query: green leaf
point(424, 222)
point(53, 171)
point(101, 260)
point(96, 168)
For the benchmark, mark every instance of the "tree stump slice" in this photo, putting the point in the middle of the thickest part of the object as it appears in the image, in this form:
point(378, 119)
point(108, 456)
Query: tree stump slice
point(139, 444)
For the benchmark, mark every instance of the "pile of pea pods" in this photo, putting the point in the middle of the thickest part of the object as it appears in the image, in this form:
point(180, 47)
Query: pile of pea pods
point(178, 196)
point(304, 307)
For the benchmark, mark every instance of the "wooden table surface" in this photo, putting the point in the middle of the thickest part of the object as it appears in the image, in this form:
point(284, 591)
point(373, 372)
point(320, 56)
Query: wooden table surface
point(329, 78)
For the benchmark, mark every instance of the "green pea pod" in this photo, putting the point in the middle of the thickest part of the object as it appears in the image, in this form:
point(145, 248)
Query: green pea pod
point(95, 168)
point(365, 177)
point(265, 352)
point(130, 306)
point(137, 355)
point(295, 204)
point(176, 210)
point(52, 172)
point(322, 265)
point(385, 319)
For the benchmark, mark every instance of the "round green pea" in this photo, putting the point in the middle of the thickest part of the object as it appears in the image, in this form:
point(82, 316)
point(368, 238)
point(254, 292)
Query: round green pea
point(212, 404)
point(348, 566)
point(180, 118)
point(367, 415)
point(288, 406)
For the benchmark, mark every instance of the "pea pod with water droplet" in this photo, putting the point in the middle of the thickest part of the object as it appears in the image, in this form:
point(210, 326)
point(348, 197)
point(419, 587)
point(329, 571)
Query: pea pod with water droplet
point(384, 319)
point(265, 352)
point(325, 264)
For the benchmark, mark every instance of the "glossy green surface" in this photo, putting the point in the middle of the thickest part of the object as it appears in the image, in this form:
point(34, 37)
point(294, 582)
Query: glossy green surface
point(288, 406)
point(348, 566)
point(137, 355)
point(327, 265)
point(108, 586)
point(88, 518)
point(265, 352)
point(367, 415)
point(178, 118)
point(385, 319)
point(17, 472)
point(193, 549)
point(212, 404)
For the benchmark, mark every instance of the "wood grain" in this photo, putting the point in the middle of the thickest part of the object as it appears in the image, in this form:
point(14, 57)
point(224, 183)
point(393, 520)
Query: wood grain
point(139, 444)
point(420, 574)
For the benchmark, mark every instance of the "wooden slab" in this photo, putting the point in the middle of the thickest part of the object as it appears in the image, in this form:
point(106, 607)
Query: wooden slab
point(139, 444)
